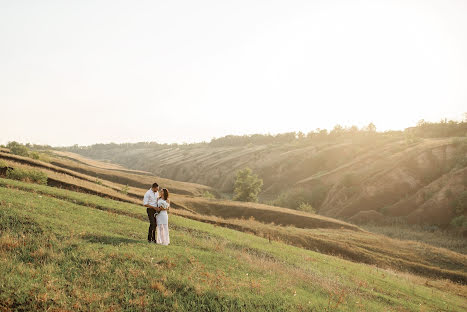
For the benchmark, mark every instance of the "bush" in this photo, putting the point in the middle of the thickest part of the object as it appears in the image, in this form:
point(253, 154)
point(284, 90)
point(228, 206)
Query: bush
point(18, 149)
point(26, 175)
point(306, 207)
point(35, 155)
point(294, 197)
point(459, 222)
point(125, 190)
point(208, 195)
point(3, 164)
point(247, 186)
point(460, 203)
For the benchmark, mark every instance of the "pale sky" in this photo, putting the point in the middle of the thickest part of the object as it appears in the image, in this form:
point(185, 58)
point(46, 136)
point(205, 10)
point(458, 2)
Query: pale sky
point(84, 72)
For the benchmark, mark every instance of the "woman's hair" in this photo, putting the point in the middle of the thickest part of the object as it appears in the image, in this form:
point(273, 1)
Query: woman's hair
point(166, 193)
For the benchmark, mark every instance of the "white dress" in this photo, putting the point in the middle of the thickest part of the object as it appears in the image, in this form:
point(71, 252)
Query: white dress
point(162, 219)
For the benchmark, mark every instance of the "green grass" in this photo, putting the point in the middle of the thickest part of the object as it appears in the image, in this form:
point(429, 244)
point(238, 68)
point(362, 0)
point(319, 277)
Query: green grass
point(32, 175)
point(361, 247)
point(91, 254)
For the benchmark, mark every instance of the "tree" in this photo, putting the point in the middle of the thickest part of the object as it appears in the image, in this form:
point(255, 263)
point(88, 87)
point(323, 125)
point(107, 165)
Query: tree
point(247, 186)
point(353, 129)
point(18, 149)
point(337, 131)
point(371, 128)
point(300, 135)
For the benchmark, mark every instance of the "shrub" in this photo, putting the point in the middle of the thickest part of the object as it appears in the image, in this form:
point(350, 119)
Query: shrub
point(18, 149)
point(208, 195)
point(459, 222)
point(247, 186)
point(3, 164)
point(26, 175)
point(35, 155)
point(460, 203)
point(306, 207)
point(125, 190)
point(294, 197)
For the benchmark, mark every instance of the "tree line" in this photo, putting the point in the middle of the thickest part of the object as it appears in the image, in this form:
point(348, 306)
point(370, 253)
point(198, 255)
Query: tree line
point(423, 129)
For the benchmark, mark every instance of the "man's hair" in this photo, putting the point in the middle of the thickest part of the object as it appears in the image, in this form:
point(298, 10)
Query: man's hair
point(155, 185)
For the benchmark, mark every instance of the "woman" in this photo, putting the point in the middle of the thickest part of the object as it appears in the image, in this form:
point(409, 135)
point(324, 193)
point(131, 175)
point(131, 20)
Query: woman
point(162, 218)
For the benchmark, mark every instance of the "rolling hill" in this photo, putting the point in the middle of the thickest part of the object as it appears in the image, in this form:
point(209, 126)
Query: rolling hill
point(377, 179)
point(309, 231)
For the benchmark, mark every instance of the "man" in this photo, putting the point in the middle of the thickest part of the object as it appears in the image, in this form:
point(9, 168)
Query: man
point(150, 202)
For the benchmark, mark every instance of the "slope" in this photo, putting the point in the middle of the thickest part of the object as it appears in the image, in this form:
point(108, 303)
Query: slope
point(60, 255)
point(305, 230)
point(339, 177)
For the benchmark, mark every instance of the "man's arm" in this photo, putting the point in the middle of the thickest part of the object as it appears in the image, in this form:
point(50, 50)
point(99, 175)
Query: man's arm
point(155, 208)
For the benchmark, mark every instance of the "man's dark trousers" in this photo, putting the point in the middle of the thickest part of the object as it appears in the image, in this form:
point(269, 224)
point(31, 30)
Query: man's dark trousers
point(152, 225)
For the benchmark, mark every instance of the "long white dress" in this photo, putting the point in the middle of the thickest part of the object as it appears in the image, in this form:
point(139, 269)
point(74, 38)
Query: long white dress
point(162, 219)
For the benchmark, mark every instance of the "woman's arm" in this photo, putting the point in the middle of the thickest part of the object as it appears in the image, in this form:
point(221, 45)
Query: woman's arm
point(164, 205)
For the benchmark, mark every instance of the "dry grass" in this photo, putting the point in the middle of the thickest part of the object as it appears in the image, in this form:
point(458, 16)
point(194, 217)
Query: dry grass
point(308, 231)
point(8, 242)
point(430, 235)
point(67, 181)
point(357, 246)
point(112, 178)
point(120, 175)
point(386, 169)
point(264, 213)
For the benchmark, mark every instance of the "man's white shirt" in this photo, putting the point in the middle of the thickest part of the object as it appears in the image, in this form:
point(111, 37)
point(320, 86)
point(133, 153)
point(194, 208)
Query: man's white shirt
point(150, 198)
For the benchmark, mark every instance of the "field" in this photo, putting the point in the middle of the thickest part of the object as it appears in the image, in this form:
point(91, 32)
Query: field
point(309, 231)
point(60, 250)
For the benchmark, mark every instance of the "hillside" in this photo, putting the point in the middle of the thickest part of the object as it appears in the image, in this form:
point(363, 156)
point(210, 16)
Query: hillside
point(366, 179)
point(60, 250)
point(309, 231)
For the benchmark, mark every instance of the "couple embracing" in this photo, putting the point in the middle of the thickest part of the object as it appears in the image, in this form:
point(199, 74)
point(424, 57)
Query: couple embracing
point(157, 204)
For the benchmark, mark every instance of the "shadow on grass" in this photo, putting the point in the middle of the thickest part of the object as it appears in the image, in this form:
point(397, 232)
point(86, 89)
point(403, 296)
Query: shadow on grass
point(109, 240)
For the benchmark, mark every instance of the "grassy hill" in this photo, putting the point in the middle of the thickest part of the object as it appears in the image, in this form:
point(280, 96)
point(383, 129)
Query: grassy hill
point(63, 250)
point(379, 178)
point(309, 231)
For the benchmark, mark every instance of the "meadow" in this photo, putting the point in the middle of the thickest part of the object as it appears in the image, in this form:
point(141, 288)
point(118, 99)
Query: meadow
point(301, 229)
point(60, 250)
